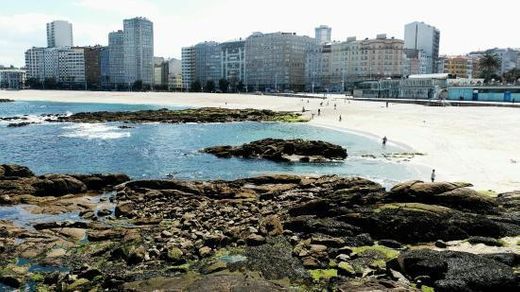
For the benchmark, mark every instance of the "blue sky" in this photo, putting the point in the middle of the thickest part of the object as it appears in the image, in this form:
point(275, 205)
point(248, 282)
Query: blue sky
point(465, 25)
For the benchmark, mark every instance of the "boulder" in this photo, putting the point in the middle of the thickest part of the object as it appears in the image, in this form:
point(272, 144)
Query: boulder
point(453, 195)
point(280, 150)
point(458, 271)
point(58, 185)
point(13, 170)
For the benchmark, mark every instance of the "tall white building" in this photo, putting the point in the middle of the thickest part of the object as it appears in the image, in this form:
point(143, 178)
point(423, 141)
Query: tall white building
point(116, 58)
point(188, 67)
point(323, 34)
point(59, 34)
point(421, 36)
point(138, 50)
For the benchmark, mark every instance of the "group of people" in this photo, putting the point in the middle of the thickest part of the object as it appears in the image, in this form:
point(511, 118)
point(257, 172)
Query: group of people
point(319, 110)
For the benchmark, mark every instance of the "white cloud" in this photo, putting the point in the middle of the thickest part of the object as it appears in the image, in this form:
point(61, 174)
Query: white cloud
point(121, 7)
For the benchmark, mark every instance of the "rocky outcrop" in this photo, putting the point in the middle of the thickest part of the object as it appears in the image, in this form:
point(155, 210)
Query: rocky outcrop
point(273, 232)
point(457, 271)
point(280, 150)
point(16, 181)
point(5, 100)
point(200, 115)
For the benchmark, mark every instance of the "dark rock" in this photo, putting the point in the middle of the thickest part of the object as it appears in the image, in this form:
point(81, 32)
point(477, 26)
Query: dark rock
point(453, 195)
point(484, 240)
point(390, 243)
point(5, 100)
point(19, 125)
point(10, 281)
point(104, 212)
point(255, 239)
point(56, 185)
point(101, 181)
point(274, 260)
point(441, 244)
point(271, 226)
point(125, 209)
point(329, 226)
point(200, 115)
point(458, 271)
point(510, 259)
point(363, 239)
point(281, 150)
point(13, 170)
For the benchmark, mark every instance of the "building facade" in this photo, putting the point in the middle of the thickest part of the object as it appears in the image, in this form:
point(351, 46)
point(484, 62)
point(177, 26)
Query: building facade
point(71, 66)
point(116, 64)
point(421, 36)
point(323, 34)
point(458, 66)
point(138, 51)
point(11, 78)
point(104, 67)
point(415, 62)
point(34, 63)
point(208, 63)
point(233, 62)
point(188, 67)
point(175, 78)
point(93, 74)
point(334, 66)
point(59, 34)
point(276, 61)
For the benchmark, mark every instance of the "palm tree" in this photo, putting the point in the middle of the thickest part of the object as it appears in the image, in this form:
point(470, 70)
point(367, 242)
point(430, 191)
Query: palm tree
point(489, 65)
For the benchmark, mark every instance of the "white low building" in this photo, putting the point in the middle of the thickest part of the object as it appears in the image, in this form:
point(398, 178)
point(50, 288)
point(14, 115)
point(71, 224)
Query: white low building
point(12, 78)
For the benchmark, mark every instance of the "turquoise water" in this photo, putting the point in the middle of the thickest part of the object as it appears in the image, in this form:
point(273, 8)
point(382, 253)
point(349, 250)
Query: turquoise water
point(165, 150)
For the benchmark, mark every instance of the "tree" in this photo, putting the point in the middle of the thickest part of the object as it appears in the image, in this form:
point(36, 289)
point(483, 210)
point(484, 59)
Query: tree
point(50, 83)
point(195, 86)
point(138, 85)
point(512, 76)
point(241, 87)
point(489, 65)
point(223, 85)
point(210, 86)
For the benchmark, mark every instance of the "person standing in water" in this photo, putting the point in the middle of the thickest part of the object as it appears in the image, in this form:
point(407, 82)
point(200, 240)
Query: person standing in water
point(384, 140)
point(433, 175)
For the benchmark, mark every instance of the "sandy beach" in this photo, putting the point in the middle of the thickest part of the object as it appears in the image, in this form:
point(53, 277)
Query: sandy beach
point(480, 145)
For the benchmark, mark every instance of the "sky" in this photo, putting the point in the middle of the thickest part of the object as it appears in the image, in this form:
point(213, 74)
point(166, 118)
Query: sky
point(465, 25)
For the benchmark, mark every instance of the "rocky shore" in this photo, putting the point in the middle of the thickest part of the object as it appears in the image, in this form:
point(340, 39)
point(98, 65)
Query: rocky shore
point(199, 115)
point(280, 150)
point(268, 233)
point(5, 100)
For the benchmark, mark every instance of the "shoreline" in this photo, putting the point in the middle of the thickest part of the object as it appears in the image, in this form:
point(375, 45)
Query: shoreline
point(471, 144)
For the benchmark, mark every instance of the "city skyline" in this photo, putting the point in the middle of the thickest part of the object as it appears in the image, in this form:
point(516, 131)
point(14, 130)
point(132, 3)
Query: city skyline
point(183, 24)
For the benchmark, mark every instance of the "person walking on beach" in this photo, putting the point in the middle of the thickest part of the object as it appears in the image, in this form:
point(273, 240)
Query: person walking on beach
point(303, 110)
point(319, 112)
point(433, 175)
point(387, 104)
point(335, 106)
point(384, 140)
point(340, 118)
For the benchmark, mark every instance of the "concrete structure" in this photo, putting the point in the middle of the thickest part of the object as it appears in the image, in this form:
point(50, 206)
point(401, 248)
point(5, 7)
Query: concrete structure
point(188, 67)
point(117, 58)
point(104, 67)
point(415, 62)
point(424, 86)
point(59, 34)
point(233, 62)
point(276, 61)
point(34, 63)
point(485, 93)
point(93, 66)
point(323, 34)
point(334, 66)
point(12, 78)
point(459, 66)
point(71, 66)
point(138, 51)
point(421, 36)
point(175, 82)
point(208, 62)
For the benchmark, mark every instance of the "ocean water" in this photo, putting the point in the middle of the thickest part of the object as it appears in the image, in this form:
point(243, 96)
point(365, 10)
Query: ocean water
point(169, 150)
